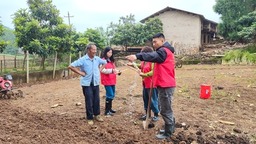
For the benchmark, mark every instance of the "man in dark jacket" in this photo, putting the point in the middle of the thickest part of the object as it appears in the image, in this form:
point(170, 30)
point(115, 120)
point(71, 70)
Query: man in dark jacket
point(163, 79)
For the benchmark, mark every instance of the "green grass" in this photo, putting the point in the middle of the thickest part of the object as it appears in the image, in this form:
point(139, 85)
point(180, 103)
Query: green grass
point(246, 54)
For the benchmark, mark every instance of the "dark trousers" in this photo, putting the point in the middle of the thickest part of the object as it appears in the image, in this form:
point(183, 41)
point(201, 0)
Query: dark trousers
point(92, 101)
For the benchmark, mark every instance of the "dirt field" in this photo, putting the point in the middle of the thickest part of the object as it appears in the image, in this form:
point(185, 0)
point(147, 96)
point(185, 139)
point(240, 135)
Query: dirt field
point(50, 112)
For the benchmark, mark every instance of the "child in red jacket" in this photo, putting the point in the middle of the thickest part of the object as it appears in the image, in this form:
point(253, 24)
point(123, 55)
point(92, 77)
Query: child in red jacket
point(108, 79)
point(146, 72)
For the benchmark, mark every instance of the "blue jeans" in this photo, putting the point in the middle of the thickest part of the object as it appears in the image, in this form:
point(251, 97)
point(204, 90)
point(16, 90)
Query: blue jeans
point(154, 99)
point(110, 92)
point(92, 101)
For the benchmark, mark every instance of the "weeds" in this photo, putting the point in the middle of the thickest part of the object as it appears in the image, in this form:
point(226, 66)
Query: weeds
point(247, 54)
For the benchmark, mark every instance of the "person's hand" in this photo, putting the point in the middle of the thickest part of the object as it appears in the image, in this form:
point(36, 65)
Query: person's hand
point(141, 74)
point(129, 64)
point(131, 58)
point(115, 71)
point(82, 73)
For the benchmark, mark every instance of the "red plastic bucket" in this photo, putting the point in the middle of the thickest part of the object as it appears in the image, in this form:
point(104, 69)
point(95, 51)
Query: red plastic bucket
point(205, 91)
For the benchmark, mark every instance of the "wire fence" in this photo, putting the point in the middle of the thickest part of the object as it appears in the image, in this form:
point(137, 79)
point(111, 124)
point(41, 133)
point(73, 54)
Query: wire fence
point(13, 64)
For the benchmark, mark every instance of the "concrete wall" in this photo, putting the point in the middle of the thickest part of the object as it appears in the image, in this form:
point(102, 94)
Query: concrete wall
point(183, 30)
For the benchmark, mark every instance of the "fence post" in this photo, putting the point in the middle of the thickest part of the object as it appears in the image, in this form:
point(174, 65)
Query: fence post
point(1, 66)
point(27, 66)
point(4, 62)
point(15, 65)
point(69, 71)
point(55, 64)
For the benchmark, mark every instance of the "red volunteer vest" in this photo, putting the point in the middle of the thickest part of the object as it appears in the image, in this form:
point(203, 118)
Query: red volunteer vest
point(108, 79)
point(164, 73)
point(145, 68)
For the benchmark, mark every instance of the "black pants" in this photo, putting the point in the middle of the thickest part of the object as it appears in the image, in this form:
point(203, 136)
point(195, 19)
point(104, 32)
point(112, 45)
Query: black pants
point(92, 101)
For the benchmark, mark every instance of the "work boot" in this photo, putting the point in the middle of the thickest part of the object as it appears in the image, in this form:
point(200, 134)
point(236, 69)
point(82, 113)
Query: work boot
point(107, 109)
point(143, 117)
point(111, 110)
point(172, 129)
point(167, 132)
point(162, 136)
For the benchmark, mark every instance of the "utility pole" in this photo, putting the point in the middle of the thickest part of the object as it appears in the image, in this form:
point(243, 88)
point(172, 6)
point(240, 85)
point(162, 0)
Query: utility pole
point(68, 16)
point(69, 71)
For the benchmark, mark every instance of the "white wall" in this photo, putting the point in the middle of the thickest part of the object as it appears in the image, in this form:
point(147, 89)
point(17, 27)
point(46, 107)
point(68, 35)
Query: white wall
point(183, 30)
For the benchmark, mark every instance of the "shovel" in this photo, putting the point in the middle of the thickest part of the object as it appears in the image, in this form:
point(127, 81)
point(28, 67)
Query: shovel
point(145, 123)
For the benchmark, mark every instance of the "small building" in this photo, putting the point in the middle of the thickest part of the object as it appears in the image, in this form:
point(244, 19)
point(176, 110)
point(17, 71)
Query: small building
point(186, 31)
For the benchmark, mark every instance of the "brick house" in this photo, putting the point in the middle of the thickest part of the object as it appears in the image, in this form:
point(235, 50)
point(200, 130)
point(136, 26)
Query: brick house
point(186, 31)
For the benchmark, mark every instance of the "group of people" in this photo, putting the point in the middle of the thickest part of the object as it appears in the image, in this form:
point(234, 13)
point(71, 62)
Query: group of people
point(157, 69)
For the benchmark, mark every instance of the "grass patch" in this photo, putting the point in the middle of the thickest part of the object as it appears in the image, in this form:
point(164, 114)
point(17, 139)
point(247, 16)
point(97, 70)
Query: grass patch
point(246, 54)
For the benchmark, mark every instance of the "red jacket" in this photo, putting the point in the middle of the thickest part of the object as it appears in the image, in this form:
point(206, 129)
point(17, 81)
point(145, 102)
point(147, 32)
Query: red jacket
point(145, 68)
point(108, 79)
point(164, 73)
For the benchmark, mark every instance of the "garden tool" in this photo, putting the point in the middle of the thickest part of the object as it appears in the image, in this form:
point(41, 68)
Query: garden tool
point(146, 123)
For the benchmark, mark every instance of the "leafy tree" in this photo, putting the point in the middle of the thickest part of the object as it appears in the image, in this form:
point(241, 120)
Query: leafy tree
point(3, 44)
point(40, 29)
point(80, 42)
point(103, 35)
point(129, 33)
point(151, 27)
point(94, 35)
point(122, 33)
point(247, 26)
point(231, 11)
point(9, 37)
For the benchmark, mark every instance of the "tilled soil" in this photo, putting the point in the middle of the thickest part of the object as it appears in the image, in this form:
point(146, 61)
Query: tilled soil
point(54, 112)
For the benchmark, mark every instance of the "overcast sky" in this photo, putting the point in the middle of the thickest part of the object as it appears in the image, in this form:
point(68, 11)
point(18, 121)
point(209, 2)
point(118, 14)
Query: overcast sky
point(100, 13)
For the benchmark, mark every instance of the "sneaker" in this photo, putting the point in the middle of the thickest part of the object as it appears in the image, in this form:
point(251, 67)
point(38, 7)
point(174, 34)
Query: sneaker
point(98, 118)
point(90, 122)
point(161, 131)
point(107, 114)
point(155, 118)
point(112, 111)
point(162, 136)
point(143, 117)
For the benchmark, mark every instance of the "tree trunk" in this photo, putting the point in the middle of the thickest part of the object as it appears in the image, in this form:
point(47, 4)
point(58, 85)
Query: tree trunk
point(24, 61)
point(42, 63)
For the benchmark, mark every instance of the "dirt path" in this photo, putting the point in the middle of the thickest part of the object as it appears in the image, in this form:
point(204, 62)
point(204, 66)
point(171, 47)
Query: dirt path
point(50, 112)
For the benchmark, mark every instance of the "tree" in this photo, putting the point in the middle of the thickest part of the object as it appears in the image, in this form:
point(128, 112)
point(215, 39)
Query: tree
point(128, 33)
point(80, 42)
point(9, 37)
point(247, 26)
point(122, 33)
point(3, 44)
point(94, 35)
point(40, 29)
point(231, 11)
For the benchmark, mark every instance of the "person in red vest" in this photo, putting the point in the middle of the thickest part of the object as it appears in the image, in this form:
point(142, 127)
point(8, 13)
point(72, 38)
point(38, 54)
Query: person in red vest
point(146, 72)
point(108, 79)
point(163, 79)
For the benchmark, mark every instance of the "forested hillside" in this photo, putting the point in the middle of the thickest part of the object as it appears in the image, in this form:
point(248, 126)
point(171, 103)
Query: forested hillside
point(10, 37)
